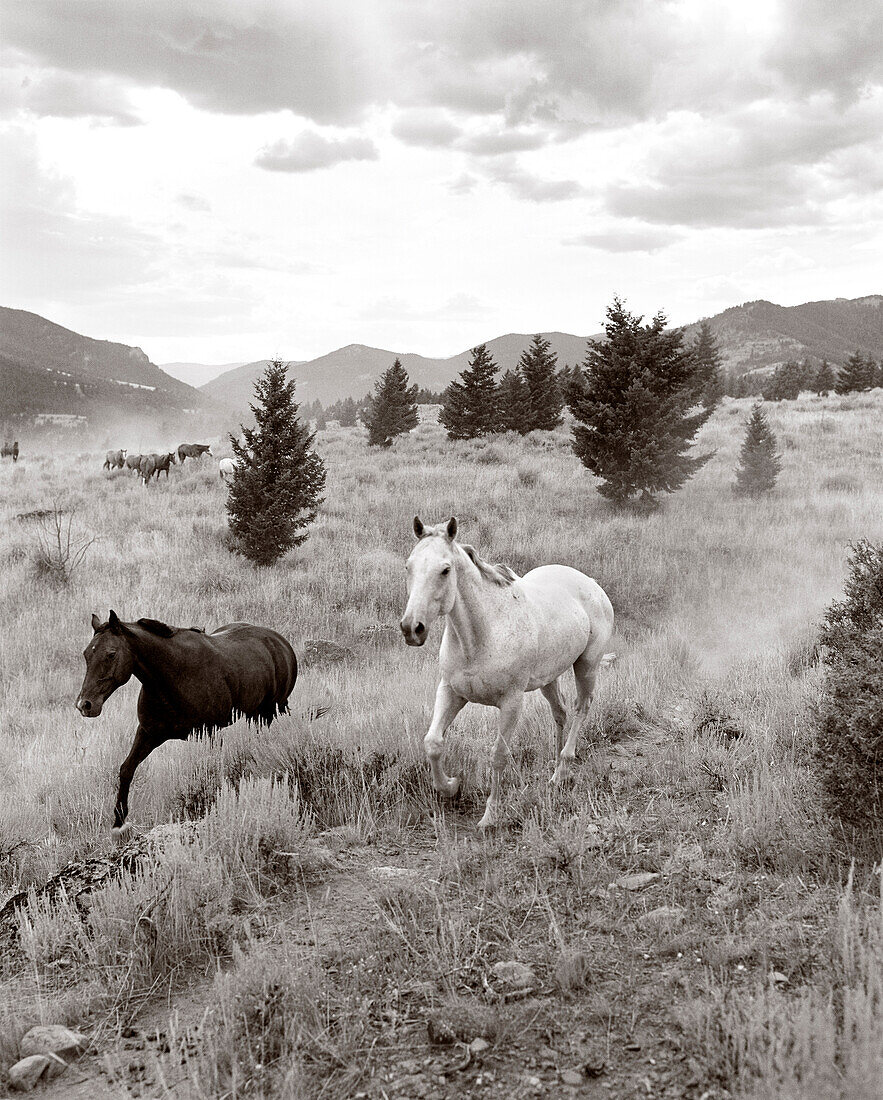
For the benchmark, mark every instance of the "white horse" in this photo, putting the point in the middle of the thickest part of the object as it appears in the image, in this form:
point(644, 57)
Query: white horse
point(227, 467)
point(504, 635)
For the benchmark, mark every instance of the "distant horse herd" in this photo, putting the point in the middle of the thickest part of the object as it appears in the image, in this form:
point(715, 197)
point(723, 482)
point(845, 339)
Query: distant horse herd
point(504, 635)
point(153, 464)
point(9, 449)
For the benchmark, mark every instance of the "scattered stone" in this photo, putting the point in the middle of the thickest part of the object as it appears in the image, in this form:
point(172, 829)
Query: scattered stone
point(515, 974)
point(53, 1039)
point(323, 649)
point(571, 1077)
point(778, 977)
point(395, 874)
point(663, 917)
point(479, 1045)
point(637, 881)
point(25, 1074)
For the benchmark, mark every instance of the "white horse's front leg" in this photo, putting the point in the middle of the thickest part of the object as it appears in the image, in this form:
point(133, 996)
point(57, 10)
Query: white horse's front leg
point(448, 705)
point(510, 712)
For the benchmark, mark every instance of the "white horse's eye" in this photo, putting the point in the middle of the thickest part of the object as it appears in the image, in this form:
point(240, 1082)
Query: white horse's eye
point(446, 570)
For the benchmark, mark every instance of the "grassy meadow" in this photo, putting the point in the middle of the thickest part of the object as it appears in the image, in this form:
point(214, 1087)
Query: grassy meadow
point(308, 915)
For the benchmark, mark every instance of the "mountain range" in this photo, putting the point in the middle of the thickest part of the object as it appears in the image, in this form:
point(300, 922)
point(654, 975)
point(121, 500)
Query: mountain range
point(45, 368)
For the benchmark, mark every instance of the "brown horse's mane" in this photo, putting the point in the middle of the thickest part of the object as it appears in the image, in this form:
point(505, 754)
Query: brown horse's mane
point(499, 574)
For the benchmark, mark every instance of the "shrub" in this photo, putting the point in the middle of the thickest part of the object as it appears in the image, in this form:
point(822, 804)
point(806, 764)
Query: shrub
point(849, 746)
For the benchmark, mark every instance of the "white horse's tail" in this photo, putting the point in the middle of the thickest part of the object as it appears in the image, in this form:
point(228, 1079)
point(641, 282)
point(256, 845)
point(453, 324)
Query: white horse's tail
point(606, 660)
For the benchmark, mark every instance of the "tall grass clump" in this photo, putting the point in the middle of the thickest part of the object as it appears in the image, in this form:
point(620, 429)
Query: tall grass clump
point(60, 550)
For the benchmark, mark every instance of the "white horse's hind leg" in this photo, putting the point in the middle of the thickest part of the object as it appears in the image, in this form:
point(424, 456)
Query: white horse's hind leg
point(552, 694)
point(510, 712)
point(585, 670)
point(448, 705)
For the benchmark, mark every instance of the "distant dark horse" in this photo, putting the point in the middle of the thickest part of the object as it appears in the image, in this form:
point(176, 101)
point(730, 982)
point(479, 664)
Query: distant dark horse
point(114, 460)
point(133, 462)
point(193, 450)
point(190, 682)
point(163, 462)
point(147, 467)
point(154, 464)
point(10, 449)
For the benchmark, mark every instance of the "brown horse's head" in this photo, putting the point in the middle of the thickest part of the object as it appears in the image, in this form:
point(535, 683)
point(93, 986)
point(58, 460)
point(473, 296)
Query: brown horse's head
point(109, 665)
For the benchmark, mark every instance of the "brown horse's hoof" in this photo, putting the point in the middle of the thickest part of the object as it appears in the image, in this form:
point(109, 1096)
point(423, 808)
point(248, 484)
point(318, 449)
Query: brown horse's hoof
point(121, 835)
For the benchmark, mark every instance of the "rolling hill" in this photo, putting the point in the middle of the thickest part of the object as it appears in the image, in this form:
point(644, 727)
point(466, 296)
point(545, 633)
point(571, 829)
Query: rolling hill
point(352, 370)
point(46, 369)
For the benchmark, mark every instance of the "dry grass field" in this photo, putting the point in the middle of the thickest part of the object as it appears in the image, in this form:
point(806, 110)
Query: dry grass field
point(300, 915)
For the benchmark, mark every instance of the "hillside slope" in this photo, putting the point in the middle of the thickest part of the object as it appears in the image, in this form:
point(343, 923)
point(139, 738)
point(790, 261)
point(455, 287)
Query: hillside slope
point(762, 334)
point(46, 368)
point(352, 370)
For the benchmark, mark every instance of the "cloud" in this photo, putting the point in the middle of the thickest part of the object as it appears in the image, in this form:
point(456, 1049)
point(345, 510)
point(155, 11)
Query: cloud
point(496, 143)
point(626, 239)
point(310, 151)
point(463, 184)
point(197, 203)
point(524, 185)
point(769, 164)
point(55, 94)
point(427, 128)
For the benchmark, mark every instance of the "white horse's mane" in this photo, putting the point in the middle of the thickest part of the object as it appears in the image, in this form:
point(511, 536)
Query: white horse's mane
point(498, 574)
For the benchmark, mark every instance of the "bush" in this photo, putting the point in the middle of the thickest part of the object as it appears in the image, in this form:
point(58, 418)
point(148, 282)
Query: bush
point(849, 746)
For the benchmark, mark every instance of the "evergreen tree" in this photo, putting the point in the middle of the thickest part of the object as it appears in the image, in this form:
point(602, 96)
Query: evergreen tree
point(537, 368)
point(514, 403)
point(471, 406)
point(278, 483)
point(759, 465)
point(709, 381)
point(634, 423)
point(347, 413)
point(825, 379)
point(856, 375)
point(784, 385)
point(573, 385)
point(392, 410)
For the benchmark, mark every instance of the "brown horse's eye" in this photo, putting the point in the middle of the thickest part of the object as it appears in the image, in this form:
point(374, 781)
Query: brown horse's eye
point(111, 653)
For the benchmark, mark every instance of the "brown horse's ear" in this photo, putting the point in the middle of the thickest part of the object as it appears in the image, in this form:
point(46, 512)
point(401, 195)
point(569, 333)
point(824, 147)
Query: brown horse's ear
point(112, 621)
point(96, 623)
point(419, 529)
point(451, 529)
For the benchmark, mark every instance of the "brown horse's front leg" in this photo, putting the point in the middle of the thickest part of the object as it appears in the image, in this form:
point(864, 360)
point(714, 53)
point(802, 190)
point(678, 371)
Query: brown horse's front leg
point(142, 747)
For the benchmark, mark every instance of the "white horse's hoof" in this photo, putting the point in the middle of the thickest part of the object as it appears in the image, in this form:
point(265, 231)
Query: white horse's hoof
point(121, 835)
point(561, 775)
point(486, 823)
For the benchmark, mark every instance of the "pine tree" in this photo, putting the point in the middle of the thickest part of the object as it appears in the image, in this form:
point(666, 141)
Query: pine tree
point(392, 410)
point(784, 385)
point(759, 465)
point(471, 406)
point(825, 379)
point(633, 416)
point(277, 487)
point(537, 368)
point(708, 375)
point(574, 385)
point(856, 375)
point(348, 412)
point(514, 403)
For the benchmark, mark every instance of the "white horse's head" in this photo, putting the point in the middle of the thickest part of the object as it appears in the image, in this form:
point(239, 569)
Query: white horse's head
point(432, 579)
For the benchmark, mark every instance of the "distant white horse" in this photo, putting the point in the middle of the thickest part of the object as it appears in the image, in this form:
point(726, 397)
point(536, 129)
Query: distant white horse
point(504, 635)
point(227, 467)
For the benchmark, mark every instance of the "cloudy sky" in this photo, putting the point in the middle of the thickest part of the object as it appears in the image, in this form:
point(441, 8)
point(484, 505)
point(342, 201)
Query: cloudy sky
point(224, 180)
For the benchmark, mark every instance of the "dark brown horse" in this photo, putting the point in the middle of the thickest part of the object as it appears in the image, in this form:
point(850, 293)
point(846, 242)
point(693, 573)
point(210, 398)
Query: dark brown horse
point(193, 450)
point(163, 462)
point(190, 682)
point(147, 467)
point(10, 449)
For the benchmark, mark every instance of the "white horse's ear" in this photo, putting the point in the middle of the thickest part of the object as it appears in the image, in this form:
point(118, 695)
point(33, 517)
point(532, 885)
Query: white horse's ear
point(419, 529)
point(451, 528)
point(96, 622)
